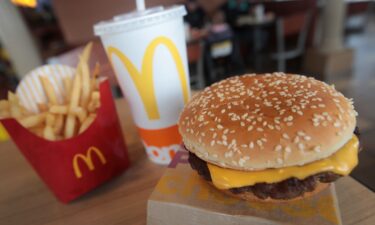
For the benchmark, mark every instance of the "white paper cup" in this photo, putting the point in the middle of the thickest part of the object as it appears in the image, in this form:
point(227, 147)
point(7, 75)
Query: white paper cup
point(147, 50)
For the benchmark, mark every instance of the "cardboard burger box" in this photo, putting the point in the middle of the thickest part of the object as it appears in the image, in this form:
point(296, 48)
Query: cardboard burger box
point(182, 197)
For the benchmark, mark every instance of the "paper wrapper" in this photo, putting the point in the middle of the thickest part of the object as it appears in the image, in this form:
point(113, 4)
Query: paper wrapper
point(181, 192)
point(73, 166)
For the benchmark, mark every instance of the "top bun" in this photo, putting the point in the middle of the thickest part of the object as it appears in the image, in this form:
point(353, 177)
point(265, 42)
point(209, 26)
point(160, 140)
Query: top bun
point(254, 122)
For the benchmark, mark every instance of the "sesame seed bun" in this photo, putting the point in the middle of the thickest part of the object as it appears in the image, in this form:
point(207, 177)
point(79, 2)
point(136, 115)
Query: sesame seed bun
point(255, 122)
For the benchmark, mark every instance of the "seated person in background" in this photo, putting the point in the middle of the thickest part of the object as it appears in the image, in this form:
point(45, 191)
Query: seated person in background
point(232, 9)
point(195, 15)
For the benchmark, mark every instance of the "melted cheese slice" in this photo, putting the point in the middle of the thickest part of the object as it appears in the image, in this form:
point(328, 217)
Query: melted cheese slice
point(341, 162)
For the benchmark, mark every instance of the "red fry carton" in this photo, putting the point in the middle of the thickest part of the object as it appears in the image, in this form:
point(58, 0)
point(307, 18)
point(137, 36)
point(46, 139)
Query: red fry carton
point(77, 165)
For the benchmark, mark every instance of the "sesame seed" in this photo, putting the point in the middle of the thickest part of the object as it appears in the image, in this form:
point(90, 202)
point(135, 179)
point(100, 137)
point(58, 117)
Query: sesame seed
point(212, 143)
point(278, 148)
point(317, 148)
point(219, 127)
point(259, 142)
point(296, 140)
point(301, 133)
point(307, 138)
point(337, 124)
point(251, 145)
point(260, 129)
point(301, 146)
point(288, 149)
point(285, 136)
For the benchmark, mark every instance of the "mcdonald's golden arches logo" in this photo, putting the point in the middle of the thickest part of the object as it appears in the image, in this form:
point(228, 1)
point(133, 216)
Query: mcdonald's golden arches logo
point(87, 159)
point(143, 79)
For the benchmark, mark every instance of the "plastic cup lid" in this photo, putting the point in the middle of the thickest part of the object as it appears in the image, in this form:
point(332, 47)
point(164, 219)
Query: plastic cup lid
point(138, 19)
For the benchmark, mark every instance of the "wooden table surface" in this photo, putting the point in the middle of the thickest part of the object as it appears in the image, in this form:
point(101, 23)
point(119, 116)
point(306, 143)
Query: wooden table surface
point(24, 199)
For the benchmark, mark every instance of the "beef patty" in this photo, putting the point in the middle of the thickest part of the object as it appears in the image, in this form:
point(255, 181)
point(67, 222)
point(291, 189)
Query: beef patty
point(286, 189)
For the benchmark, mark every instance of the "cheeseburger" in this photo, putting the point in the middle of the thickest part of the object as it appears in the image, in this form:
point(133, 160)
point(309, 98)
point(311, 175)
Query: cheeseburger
point(272, 137)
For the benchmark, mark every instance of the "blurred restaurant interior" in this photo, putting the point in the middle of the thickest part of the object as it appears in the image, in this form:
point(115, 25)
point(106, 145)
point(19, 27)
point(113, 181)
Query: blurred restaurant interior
point(330, 40)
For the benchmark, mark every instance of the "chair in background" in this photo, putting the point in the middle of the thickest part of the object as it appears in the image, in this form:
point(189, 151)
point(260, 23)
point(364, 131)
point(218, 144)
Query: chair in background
point(195, 52)
point(294, 28)
point(286, 26)
point(357, 13)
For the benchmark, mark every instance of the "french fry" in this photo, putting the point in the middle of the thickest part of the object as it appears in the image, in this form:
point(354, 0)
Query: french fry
point(48, 89)
point(85, 84)
point(87, 123)
point(68, 88)
point(87, 51)
point(4, 109)
point(37, 130)
point(33, 120)
point(80, 112)
point(50, 119)
point(70, 124)
point(59, 109)
point(42, 107)
point(95, 75)
point(96, 72)
point(12, 98)
point(84, 71)
point(14, 109)
point(59, 124)
point(4, 114)
point(48, 133)
point(59, 137)
point(95, 96)
point(4, 105)
point(94, 102)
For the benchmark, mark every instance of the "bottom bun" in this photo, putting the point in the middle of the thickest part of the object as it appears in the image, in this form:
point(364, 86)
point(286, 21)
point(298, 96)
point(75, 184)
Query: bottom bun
point(249, 196)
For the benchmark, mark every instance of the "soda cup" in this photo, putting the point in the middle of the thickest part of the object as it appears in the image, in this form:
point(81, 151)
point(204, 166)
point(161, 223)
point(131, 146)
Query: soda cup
point(147, 50)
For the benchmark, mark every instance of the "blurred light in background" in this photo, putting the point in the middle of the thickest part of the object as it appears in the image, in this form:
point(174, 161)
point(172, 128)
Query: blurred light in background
point(25, 3)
